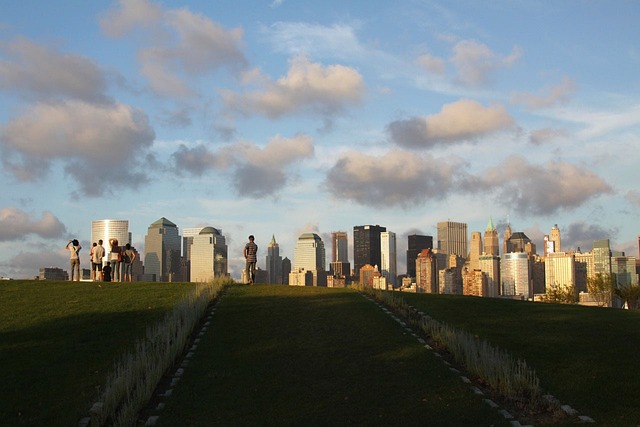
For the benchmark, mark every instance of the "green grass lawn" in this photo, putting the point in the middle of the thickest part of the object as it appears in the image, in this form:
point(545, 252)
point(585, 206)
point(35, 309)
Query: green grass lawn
point(588, 357)
point(280, 355)
point(58, 340)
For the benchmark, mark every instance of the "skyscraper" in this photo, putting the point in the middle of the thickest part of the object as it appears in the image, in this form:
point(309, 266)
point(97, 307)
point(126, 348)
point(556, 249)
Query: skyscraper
point(426, 272)
point(105, 229)
point(208, 255)
point(366, 246)
point(415, 244)
point(559, 271)
point(475, 251)
point(506, 237)
point(187, 240)
point(309, 253)
point(554, 236)
point(274, 262)
point(388, 257)
point(162, 251)
point(601, 257)
point(515, 274)
point(339, 246)
point(452, 238)
point(491, 244)
point(490, 266)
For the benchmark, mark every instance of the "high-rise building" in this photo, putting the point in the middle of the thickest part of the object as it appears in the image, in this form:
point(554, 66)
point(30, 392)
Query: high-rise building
point(554, 236)
point(388, 257)
point(208, 255)
point(366, 246)
point(491, 243)
point(601, 257)
point(515, 274)
point(475, 250)
point(490, 266)
point(162, 251)
point(584, 269)
point(105, 229)
point(559, 271)
point(187, 240)
point(519, 242)
point(624, 270)
point(274, 262)
point(505, 237)
point(452, 238)
point(286, 269)
point(415, 244)
point(339, 246)
point(426, 272)
point(309, 253)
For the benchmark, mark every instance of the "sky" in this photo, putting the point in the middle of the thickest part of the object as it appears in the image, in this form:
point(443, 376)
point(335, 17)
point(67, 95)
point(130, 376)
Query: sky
point(280, 117)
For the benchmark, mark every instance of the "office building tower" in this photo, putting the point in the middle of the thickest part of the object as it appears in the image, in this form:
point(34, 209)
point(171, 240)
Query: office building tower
point(537, 274)
point(452, 238)
point(559, 271)
point(415, 244)
point(490, 266)
point(366, 246)
point(388, 257)
point(187, 240)
point(519, 242)
point(515, 274)
point(554, 236)
point(584, 269)
point(208, 255)
point(624, 270)
point(475, 250)
point(286, 269)
point(505, 238)
point(309, 253)
point(339, 247)
point(162, 251)
point(474, 283)
point(601, 257)
point(106, 229)
point(491, 243)
point(274, 262)
point(426, 272)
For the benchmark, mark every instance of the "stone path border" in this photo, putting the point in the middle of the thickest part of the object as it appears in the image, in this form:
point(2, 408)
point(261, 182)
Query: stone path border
point(476, 390)
point(164, 393)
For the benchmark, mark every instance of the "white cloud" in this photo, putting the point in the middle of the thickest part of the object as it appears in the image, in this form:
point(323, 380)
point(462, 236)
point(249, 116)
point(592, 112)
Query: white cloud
point(541, 189)
point(475, 62)
point(16, 224)
point(97, 144)
point(462, 120)
point(33, 70)
point(394, 178)
point(432, 64)
point(307, 87)
point(555, 95)
point(255, 171)
point(129, 14)
point(545, 135)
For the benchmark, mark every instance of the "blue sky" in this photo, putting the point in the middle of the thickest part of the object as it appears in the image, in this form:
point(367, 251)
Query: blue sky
point(282, 117)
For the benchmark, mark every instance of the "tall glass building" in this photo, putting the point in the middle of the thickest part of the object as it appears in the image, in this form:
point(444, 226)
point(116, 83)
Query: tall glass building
point(452, 238)
point(309, 253)
point(208, 255)
point(366, 247)
point(162, 251)
point(388, 257)
point(274, 262)
point(415, 244)
point(105, 229)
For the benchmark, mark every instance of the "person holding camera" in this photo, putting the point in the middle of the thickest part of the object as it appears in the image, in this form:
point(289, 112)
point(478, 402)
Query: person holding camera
point(73, 246)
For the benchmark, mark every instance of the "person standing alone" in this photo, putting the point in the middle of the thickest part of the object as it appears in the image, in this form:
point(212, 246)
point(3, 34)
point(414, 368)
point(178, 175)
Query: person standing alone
point(251, 256)
point(74, 257)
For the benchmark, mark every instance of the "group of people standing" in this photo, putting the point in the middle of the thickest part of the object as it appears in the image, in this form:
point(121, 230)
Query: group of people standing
point(119, 261)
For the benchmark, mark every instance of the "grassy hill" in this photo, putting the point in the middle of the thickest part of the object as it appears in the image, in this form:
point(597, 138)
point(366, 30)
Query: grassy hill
point(296, 355)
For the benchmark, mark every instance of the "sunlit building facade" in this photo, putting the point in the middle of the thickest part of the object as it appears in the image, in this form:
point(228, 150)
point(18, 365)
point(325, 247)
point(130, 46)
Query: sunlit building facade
point(208, 255)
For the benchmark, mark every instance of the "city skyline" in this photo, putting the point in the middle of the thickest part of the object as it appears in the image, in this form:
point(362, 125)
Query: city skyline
point(278, 119)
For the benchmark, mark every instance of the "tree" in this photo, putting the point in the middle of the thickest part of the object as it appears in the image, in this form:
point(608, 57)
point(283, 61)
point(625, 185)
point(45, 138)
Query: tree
point(601, 288)
point(561, 294)
point(630, 295)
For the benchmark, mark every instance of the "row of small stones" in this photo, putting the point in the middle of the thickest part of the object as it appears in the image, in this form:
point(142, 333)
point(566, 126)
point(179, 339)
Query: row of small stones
point(506, 414)
point(177, 375)
point(153, 419)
